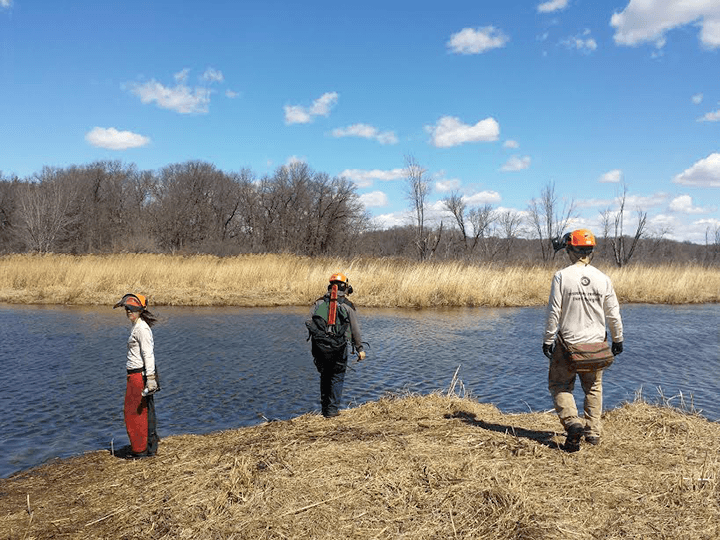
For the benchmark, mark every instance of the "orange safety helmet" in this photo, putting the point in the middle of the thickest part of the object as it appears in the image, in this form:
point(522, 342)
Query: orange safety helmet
point(338, 277)
point(581, 238)
point(132, 302)
point(341, 279)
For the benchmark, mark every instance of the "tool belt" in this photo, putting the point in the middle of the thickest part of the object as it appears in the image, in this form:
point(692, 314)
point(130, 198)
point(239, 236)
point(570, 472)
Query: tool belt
point(587, 357)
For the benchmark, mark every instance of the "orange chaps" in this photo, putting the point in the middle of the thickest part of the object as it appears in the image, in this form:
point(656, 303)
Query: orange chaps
point(140, 420)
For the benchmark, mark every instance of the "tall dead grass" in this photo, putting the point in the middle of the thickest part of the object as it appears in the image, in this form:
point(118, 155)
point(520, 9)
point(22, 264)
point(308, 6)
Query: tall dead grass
point(419, 467)
point(274, 280)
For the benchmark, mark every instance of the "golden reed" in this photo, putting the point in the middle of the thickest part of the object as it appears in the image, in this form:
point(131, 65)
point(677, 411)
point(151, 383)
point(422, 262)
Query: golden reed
point(286, 280)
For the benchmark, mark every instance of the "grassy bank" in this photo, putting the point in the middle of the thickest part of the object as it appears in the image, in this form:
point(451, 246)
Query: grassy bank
point(413, 467)
point(274, 280)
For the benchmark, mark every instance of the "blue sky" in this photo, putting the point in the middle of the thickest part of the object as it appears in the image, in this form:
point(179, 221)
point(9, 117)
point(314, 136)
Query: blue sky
point(494, 98)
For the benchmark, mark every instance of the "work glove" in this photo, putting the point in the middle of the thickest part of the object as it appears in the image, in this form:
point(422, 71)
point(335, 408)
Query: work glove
point(617, 347)
point(548, 350)
point(150, 385)
point(361, 355)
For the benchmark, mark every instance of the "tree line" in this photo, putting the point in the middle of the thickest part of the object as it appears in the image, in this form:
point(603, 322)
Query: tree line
point(193, 207)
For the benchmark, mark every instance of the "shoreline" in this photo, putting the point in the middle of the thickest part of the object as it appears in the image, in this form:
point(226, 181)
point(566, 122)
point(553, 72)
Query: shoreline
point(427, 466)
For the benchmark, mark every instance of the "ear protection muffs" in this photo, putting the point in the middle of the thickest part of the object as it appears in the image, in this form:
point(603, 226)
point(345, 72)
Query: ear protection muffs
point(343, 286)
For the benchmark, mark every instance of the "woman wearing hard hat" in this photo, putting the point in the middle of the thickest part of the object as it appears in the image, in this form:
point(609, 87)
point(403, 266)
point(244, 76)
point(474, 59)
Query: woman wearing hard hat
point(142, 379)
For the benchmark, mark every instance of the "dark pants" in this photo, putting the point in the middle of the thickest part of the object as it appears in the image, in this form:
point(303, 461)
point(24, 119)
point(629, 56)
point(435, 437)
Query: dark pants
point(332, 379)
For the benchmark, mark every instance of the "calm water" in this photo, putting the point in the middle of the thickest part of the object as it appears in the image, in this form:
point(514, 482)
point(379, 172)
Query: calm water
point(63, 382)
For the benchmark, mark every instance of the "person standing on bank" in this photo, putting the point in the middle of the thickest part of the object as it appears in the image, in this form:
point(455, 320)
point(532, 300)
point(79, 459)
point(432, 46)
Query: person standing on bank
point(333, 324)
point(582, 301)
point(142, 380)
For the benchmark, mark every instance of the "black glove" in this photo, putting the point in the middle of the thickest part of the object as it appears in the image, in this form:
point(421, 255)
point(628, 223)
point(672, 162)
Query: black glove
point(617, 347)
point(548, 350)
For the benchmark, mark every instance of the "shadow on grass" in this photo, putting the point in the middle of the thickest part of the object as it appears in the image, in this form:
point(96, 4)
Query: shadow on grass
point(543, 437)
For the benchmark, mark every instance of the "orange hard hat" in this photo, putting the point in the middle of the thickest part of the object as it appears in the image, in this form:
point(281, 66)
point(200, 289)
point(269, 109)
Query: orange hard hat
point(341, 278)
point(581, 238)
point(133, 302)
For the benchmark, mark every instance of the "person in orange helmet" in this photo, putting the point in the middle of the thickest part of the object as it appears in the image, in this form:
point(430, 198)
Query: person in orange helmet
point(582, 302)
point(142, 379)
point(332, 325)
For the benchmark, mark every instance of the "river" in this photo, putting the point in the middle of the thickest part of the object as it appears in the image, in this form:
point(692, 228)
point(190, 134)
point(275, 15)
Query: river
point(63, 379)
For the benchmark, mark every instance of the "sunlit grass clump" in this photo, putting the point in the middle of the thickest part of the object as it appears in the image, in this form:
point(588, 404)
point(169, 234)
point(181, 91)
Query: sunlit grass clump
point(281, 280)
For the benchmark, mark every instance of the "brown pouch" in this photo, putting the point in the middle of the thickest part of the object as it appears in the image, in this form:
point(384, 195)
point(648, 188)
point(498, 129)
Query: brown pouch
point(587, 357)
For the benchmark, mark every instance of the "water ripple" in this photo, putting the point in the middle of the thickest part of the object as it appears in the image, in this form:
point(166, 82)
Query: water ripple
point(63, 385)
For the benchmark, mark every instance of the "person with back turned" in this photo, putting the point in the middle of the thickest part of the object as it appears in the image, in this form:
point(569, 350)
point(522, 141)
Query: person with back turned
point(332, 325)
point(582, 302)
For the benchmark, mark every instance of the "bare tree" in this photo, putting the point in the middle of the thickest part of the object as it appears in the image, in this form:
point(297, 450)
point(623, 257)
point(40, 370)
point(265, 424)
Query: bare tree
point(546, 220)
point(45, 206)
point(417, 192)
point(474, 224)
point(456, 206)
point(621, 251)
point(712, 243)
point(193, 204)
point(9, 189)
point(510, 227)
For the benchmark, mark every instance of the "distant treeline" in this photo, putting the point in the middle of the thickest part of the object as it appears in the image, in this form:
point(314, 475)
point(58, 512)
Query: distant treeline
point(193, 207)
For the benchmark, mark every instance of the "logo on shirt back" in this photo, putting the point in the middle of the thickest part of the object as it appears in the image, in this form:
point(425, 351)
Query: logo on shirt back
point(585, 281)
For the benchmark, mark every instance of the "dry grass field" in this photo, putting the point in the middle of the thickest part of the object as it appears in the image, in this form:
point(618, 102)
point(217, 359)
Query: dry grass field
point(275, 280)
point(415, 467)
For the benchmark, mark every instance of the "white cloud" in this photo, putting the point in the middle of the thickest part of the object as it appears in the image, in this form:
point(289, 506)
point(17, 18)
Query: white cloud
point(182, 76)
point(637, 201)
point(366, 132)
point(614, 176)
point(363, 178)
point(179, 98)
point(450, 131)
point(483, 197)
point(552, 5)
point(231, 94)
point(212, 75)
point(374, 199)
point(713, 116)
point(684, 205)
point(697, 99)
point(113, 139)
point(471, 41)
point(645, 21)
point(581, 42)
point(443, 186)
point(297, 114)
point(511, 144)
point(5, 3)
point(516, 163)
point(704, 173)
point(394, 219)
point(294, 160)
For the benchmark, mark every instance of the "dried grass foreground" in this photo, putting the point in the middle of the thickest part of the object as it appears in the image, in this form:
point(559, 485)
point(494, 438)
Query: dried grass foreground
point(436, 466)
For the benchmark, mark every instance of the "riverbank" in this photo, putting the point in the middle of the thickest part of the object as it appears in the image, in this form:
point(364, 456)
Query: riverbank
point(435, 466)
point(288, 280)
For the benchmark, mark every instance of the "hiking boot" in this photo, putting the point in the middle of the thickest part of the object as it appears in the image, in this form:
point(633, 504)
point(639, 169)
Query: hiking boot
point(331, 414)
point(572, 440)
point(592, 439)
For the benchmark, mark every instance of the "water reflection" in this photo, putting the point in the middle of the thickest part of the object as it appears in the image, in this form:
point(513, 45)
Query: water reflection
point(63, 381)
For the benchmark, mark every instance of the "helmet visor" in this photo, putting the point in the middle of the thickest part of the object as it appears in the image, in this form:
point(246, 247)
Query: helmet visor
point(130, 302)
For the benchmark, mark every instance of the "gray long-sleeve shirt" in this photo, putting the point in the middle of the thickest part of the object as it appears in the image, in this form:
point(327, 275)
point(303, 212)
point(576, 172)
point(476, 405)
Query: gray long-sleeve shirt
point(582, 301)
